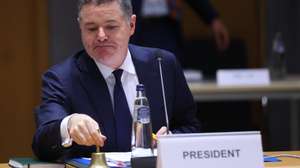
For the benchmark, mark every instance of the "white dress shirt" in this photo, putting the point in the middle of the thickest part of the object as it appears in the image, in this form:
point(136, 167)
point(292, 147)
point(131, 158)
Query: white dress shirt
point(129, 81)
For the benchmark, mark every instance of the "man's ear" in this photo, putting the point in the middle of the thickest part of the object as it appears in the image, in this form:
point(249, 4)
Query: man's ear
point(132, 24)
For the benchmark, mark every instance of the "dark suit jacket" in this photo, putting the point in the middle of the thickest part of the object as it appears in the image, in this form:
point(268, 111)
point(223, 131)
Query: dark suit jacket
point(77, 86)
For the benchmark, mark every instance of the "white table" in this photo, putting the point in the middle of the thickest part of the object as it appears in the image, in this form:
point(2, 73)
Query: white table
point(288, 88)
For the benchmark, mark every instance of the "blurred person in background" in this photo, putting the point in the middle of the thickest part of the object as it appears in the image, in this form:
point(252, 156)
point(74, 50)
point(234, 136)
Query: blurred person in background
point(159, 24)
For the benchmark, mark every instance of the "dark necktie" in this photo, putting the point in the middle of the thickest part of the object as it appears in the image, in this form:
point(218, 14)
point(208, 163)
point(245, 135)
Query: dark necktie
point(122, 114)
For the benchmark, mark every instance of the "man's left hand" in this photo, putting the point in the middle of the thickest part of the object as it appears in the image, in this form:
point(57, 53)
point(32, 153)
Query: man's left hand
point(161, 131)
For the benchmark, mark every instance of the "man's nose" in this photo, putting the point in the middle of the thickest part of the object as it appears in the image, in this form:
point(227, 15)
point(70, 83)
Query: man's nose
point(101, 34)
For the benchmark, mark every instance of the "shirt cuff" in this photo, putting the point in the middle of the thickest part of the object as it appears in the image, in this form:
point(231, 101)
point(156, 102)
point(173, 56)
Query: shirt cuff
point(65, 136)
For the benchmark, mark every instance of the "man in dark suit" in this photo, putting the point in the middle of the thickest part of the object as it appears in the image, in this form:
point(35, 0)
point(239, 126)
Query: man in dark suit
point(78, 95)
point(158, 23)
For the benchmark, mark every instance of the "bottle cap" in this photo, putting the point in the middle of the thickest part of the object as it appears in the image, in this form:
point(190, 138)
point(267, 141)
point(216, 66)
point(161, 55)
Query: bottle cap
point(140, 87)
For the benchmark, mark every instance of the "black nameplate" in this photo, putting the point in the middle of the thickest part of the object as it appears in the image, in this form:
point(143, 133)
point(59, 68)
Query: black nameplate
point(143, 162)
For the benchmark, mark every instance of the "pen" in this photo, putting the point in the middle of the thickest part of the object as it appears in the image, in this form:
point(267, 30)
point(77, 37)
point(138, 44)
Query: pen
point(154, 137)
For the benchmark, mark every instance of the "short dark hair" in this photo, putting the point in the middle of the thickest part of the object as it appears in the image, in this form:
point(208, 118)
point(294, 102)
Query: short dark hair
point(125, 5)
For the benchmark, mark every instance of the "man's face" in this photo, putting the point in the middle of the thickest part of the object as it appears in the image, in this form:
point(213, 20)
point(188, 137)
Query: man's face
point(105, 32)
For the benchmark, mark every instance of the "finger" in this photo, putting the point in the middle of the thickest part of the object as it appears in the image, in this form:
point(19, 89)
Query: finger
point(77, 137)
point(96, 135)
point(219, 44)
point(219, 39)
point(162, 131)
point(80, 133)
point(227, 40)
point(224, 39)
point(85, 133)
point(99, 138)
point(154, 144)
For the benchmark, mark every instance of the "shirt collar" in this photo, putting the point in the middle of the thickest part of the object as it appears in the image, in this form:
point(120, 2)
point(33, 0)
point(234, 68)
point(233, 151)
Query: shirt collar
point(127, 66)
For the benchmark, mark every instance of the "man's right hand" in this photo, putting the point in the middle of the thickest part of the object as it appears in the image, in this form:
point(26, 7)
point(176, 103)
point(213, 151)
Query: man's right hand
point(85, 131)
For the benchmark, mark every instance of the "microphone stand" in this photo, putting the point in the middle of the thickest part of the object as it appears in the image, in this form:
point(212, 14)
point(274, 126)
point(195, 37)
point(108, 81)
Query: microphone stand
point(159, 59)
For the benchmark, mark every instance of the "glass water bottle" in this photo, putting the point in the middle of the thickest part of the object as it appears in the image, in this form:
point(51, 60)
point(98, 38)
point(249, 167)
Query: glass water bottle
point(141, 127)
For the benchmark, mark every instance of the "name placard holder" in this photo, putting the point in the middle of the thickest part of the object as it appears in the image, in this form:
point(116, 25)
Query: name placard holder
point(241, 77)
point(211, 150)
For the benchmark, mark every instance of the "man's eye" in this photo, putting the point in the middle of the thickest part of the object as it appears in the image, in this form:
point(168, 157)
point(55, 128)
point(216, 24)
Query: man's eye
point(112, 27)
point(92, 29)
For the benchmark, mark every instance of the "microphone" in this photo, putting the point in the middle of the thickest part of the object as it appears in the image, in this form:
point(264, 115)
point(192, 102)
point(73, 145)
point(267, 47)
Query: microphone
point(159, 60)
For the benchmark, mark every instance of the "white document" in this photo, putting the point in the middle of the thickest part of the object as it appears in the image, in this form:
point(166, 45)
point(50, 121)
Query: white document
point(193, 75)
point(240, 77)
point(118, 159)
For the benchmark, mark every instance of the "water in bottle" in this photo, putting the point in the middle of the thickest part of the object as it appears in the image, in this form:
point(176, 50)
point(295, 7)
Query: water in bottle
point(142, 128)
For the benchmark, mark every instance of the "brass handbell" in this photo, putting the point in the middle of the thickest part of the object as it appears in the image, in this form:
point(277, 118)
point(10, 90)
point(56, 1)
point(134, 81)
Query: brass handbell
point(98, 160)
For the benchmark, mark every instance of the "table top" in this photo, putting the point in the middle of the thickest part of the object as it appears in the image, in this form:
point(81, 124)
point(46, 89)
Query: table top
point(286, 162)
point(289, 83)
point(209, 90)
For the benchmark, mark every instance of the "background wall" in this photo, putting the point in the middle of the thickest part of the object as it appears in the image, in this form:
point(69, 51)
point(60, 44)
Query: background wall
point(63, 29)
point(23, 57)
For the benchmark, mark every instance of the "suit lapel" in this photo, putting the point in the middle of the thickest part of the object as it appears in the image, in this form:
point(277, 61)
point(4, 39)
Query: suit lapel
point(144, 67)
point(97, 91)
